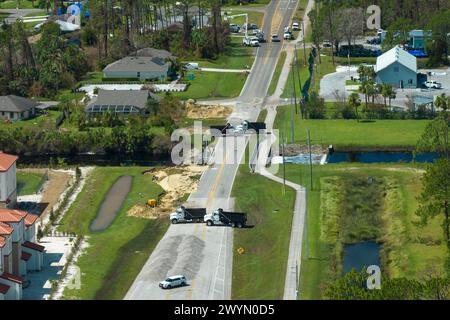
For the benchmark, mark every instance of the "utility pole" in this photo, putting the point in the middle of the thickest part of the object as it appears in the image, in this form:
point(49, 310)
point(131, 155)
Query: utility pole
point(284, 164)
point(293, 85)
point(310, 160)
point(298, 68)
point(292, 122)
point(304, 42)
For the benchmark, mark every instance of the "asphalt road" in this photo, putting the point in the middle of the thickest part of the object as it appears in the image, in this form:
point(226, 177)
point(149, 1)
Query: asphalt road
point(16, 14)
point(204, 254)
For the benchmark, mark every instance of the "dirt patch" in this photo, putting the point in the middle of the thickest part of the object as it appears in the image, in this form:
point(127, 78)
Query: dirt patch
point(57, 183)
point(195, 111)
point(177, 182)
point(296, 149)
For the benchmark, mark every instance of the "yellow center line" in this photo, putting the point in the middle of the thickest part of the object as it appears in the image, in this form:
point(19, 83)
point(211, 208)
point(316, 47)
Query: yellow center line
point(168, 296)
point(217, 180)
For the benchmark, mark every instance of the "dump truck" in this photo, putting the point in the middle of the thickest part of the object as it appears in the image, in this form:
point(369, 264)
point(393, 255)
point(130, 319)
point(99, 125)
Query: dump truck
point(183, 214)
point(220, 217)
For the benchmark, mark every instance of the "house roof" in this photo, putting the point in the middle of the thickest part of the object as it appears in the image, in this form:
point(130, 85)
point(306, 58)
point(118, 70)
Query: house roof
point(4, 288)
point(2, 242)
point(136, 98)
point(138, 64)
point(5, 229)
point(152, 52)
point(420, 33)
point(14, 103)
point(33, 246)
point(394, 55)
point(8, 215)
point(11, 277)
point(6, 160)
point(25, 256)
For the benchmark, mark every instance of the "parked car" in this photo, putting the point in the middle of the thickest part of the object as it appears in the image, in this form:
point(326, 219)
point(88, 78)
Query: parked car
point(192, 66)
point(234, 28)
point(287, 36)
point(275, 38)
point(251, 42)
point(172, 282)
point(327, 44)
point(296, 26)
point(433, 84)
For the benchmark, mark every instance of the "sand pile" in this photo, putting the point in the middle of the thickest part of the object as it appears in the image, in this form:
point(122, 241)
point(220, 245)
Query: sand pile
point(176, 182)
point(195, 111)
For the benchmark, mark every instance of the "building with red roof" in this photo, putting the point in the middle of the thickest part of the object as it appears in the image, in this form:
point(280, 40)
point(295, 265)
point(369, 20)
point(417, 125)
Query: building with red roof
point(8, 180)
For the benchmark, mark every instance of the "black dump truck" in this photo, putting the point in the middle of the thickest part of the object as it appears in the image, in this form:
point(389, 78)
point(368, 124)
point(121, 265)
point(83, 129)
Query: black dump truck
point(220, 217)
point(183, 214)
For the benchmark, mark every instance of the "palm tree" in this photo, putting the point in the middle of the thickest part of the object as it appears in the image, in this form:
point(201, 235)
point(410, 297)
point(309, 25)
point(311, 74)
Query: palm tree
point(364, 90)
point(442, 102)
point(354, 101)
point(388, 92)
point(372, 91)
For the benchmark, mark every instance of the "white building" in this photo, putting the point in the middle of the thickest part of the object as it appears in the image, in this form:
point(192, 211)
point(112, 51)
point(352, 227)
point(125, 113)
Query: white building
point(8, 180)
point(397, 68)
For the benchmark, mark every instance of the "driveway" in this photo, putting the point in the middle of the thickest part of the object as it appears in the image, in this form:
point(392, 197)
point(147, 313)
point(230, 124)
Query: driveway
point(16, 14)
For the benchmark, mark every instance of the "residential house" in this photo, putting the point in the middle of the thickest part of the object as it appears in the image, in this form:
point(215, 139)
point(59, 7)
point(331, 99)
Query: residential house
point(8, 182)
point(19, 253)
point(418, 39)
point(122, 102)
point(146, 64)
point(397, 68)
point(15, 108)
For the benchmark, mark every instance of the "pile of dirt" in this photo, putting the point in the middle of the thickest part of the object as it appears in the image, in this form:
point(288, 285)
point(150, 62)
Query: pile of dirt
point(291, 150)
point(176, 182)
point(195, 111)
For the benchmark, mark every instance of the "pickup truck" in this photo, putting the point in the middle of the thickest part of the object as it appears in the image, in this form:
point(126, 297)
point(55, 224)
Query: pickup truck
point(433, 84)
point(251, 42)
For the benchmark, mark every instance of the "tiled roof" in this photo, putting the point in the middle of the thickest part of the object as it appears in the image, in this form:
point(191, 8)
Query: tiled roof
point(11, 277)
point(5, 229)
point(6, 161)
point(14, 103)
point(4, 288)
point(33, 246)
point(8, 215)
point(2, 242)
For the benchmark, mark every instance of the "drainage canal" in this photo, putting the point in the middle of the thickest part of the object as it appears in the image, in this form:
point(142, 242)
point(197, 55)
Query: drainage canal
point(112, 203)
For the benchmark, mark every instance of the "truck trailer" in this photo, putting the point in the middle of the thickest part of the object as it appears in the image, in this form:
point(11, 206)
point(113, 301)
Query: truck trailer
point(183, 214)
point(220, 217)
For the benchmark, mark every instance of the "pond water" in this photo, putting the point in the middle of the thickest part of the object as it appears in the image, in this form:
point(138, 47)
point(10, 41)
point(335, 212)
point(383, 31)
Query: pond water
point(381, 157)
point(112, 203)
point(360, 255)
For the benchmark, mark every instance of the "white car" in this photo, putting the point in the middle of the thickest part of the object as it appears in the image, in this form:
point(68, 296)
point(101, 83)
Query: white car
point(287, 36)
point(296, 26)
point(172, 282)
point(433, 84)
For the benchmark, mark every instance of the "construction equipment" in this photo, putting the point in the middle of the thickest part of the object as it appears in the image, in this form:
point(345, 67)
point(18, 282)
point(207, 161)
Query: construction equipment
point(220, 217)
point(152, 203)
point(183, 214)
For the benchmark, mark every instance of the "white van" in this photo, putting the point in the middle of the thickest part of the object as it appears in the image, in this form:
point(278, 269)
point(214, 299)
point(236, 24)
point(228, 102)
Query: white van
point(296, 26)
point(192, 66)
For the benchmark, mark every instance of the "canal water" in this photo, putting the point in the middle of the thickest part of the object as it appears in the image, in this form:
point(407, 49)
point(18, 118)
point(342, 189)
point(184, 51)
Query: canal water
point(361, 255)
point(112, 203)
point(381, 157)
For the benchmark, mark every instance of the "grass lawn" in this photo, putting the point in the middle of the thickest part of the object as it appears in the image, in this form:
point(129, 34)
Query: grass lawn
point(213, 85)
point(256, 3)
point(350, 133)
point(277, 73)
point(114, 256)
point(344, 208)
point(260, 272)
point(253, 17)
point(28, 182)
point(23, 4)
point(288, 91)
point(236, 56)
point(43, 120)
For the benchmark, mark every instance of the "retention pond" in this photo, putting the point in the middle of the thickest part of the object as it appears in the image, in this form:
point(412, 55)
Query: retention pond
point(112, 203)
point(360, 255)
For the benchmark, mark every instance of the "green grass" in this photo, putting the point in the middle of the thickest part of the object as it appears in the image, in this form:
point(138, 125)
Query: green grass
point(350, 133)
point(255, 4)
point(342, 208)
point(40, 121)
point(262, 116)
point(23, 4)
point(253, 17)
point(277, 73)
point(288, 91)
point(352, 83)
point(236, 56)
point(114, 256)
point(28, 182)
point(213, 85)
point(260, 272)
point(37, 14)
